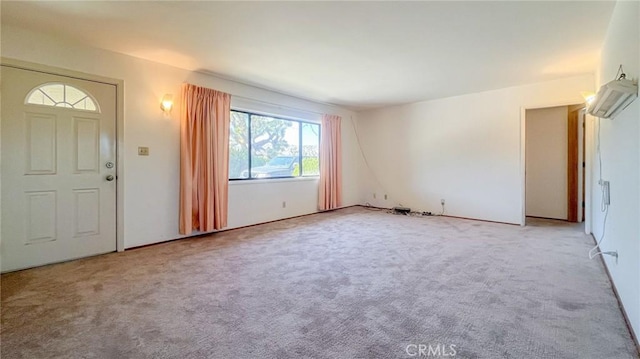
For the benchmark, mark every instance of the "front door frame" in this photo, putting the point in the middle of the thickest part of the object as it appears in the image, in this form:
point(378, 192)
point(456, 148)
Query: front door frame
point(119, 84)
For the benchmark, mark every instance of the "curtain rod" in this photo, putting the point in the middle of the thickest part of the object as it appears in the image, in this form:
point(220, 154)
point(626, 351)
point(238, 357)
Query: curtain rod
point(276, 104)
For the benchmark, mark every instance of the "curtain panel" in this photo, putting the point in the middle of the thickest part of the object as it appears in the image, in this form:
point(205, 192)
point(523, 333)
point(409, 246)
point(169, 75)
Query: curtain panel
point(204, 159)
point(330, 191)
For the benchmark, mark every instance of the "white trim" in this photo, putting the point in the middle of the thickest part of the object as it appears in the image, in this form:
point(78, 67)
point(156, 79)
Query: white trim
point(523, 168)
point(589, 153)
point(260, 181)
point(581, 159)
point(523, 179)
point(119, 84)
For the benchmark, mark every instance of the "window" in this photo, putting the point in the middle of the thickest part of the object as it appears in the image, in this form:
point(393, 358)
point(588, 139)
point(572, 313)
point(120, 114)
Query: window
point(270, 147)
point(61, 95)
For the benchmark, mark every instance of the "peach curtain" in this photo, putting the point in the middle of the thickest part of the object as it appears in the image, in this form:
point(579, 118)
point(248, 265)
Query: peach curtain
point(204, 159)
point(330, 191)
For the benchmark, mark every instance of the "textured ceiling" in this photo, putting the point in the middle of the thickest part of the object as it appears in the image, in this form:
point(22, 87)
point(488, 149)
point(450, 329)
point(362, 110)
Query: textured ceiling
point(354, 54)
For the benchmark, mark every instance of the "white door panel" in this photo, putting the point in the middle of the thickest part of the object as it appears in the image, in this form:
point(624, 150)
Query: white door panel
point(56, 201)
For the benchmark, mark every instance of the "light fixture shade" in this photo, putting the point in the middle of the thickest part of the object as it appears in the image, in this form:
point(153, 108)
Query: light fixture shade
point(612, 98)
point(167, 103)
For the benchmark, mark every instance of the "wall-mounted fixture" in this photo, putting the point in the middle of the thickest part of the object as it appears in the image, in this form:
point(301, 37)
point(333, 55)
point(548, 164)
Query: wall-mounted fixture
point(613, 97)
point(588, 96)
point(167, 103)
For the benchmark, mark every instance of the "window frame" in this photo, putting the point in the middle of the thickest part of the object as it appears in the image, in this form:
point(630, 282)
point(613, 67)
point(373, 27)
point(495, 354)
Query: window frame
point(71, 106)
point(300, 156)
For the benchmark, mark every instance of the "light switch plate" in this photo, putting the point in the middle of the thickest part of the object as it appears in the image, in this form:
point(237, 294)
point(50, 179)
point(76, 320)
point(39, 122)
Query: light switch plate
point(143, 151)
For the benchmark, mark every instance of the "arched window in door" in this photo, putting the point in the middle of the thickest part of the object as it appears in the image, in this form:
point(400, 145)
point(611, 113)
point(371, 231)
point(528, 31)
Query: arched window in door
point(62, 95)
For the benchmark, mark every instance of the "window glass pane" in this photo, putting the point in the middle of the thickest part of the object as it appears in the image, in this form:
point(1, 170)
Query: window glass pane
point(38, 98)
point(274, 147)
point(239, 145)
point(60, 95)
point(86, 104)
point(55, 92)
point(78, 99)
point(73, 95)
point(310, 149)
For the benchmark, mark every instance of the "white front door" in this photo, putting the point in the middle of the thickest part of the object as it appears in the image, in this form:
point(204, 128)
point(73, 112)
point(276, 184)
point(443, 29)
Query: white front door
point(58, 168)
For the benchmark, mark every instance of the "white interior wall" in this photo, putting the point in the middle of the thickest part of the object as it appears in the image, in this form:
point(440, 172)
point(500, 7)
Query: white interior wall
point(463, 149)
point(151, 183)
point(581, 165)
point(546, 162)
point(620, 149)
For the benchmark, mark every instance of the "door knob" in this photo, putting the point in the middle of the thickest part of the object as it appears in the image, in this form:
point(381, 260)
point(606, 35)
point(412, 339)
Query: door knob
point(110, 178)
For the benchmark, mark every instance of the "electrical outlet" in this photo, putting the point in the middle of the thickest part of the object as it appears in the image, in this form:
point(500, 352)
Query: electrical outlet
point(284, 204)
point(374, 195)
point(442, 202)
point(606, 192)
point(143, 151)
point(385, 197)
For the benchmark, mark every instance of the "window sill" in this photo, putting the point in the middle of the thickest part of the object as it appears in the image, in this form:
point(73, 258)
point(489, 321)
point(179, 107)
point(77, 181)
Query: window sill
point(262, 181)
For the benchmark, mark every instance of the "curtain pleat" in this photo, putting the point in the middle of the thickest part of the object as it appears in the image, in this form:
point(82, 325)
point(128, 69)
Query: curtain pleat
point(204, 159)
point(330, 191)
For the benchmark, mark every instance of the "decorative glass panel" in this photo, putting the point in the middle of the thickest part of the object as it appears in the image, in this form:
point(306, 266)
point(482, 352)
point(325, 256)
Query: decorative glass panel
point(61, 95)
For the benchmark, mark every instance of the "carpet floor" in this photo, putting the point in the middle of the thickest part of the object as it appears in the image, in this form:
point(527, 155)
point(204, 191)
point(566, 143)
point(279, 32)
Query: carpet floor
point(351, 283)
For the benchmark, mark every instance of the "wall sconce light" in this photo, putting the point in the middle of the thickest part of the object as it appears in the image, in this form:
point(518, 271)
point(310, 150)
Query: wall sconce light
point(167, 103)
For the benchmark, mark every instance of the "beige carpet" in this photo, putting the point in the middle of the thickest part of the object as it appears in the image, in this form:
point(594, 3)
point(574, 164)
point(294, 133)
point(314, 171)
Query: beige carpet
point(351, 283)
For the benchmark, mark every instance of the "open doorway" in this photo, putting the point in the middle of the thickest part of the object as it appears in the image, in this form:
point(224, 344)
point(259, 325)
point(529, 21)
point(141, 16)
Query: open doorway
point(575, 162)
point(554, 162)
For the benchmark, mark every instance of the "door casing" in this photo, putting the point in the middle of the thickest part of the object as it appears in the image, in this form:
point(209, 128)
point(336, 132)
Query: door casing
point(588, 154)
